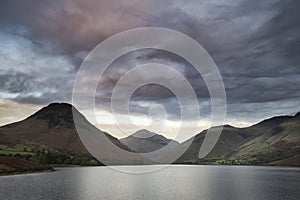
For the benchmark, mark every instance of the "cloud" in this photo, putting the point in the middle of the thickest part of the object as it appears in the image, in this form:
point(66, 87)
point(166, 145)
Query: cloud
point(254, 44)
point(72, 25)
point(30, 76)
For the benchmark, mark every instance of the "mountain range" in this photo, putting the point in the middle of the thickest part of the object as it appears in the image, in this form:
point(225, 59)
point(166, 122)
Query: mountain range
point(49, 137)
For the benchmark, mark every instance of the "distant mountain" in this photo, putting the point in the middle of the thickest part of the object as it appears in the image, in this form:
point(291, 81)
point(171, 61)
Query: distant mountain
point(272, 141)
point(144, 141)
point(52, 127)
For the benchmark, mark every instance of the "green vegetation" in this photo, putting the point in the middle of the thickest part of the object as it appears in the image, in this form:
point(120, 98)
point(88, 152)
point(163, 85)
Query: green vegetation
point(47, 156)
point(257, 155)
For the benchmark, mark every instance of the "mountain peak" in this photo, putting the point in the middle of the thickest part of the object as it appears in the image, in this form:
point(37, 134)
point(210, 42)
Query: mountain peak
point(143, 133)
point(144, 141)
point(54, 107)
point(55, 114)
point(59, 104)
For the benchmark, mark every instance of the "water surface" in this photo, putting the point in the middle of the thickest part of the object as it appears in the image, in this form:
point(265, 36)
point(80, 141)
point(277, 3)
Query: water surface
point(174, 182)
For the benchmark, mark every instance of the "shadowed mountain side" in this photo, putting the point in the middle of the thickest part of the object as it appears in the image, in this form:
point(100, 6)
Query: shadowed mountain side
point(104, 147)
point(229, 138)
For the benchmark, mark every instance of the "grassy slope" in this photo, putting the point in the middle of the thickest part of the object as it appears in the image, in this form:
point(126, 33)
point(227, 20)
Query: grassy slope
point(278, 142)
point(275, 139)
point(290, 161)
point(227, 142)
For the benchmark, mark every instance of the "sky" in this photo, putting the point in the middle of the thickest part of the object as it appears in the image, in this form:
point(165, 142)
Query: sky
point(255, 44)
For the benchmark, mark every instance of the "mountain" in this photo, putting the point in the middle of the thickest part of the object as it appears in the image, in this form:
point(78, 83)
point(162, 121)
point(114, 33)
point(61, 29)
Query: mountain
point(144, 141)
point(276, 139)
point(272, 141)
point(52, 126)
point(229, 138)
point(49, 137)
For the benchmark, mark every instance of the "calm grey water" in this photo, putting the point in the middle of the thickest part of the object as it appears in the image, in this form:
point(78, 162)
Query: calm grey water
point(174, 182)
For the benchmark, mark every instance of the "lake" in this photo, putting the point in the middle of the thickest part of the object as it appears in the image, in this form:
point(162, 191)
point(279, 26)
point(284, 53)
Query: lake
point(174, 182)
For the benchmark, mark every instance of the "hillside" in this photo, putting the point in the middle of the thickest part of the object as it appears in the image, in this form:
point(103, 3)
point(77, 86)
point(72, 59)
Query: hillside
point(14, 165)
point(49, 137)
point(278, 139)
point(273, 141)
point(229, 138)
point(53, 127)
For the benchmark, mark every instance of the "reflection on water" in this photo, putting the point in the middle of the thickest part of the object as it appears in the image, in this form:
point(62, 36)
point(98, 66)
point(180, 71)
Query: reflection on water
point(174, 182)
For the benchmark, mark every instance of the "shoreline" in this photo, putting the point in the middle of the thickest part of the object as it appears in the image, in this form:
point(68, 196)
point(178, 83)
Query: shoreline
point(25, 172)
point(53, 169)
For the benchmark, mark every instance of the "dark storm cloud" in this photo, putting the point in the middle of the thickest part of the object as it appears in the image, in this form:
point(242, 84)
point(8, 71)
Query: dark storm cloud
point(26, 88)
point(43, 98)
point(28, 75)
point(15, 82)
point(255, 44)
point(71, 26)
